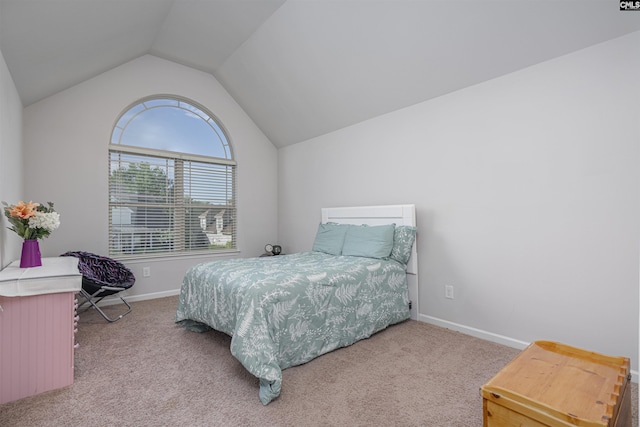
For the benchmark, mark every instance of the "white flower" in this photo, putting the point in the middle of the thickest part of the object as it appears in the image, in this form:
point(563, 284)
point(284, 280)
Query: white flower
point(47, 220)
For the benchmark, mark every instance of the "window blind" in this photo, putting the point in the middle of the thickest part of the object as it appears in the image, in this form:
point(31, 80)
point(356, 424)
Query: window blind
point(163, 204)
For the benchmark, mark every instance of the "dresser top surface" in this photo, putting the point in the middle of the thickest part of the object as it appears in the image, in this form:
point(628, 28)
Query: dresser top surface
point(56, 274)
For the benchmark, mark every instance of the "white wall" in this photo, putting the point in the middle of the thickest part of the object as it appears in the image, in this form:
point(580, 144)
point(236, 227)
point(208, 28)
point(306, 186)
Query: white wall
point(527, 196)
point(66, 139)
point(11, 170)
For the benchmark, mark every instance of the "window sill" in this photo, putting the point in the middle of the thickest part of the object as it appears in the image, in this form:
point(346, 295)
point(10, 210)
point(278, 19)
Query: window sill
point(134, 259)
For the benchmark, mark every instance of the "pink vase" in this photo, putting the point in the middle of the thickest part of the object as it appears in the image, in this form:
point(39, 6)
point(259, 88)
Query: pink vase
point(30, 254)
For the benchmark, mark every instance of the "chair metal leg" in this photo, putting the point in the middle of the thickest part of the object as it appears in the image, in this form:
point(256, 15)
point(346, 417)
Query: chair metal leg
point(89, 298)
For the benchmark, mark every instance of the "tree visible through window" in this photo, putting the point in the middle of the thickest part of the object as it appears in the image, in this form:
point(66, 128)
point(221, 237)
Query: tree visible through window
point(171, 180)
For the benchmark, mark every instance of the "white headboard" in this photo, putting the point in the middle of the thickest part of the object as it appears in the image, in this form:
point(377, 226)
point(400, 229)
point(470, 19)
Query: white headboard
point(377, 215)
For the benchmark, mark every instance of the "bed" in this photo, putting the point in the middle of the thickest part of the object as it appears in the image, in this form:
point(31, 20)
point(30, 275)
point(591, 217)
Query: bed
point(286, 310)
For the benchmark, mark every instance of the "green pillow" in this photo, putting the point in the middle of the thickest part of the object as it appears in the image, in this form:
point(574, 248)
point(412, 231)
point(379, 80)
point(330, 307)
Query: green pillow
point(403, 239)
point(330, 238)
point(369, 241)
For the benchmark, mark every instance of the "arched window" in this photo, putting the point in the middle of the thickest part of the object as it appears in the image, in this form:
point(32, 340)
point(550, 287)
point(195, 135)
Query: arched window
point(171, 180)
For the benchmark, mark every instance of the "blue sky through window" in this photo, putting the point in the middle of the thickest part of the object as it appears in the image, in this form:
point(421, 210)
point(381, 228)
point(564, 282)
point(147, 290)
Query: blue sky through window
point(171, 125)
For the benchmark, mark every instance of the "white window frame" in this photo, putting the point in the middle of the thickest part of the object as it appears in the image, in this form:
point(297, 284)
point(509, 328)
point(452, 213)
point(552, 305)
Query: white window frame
point(174, 206)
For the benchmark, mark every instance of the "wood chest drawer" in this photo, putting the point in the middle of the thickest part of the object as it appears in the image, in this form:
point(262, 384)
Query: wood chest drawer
point(552, 384)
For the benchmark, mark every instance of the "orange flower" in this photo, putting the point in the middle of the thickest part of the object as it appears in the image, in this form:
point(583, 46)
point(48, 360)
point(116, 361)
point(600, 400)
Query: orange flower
point(24, 210)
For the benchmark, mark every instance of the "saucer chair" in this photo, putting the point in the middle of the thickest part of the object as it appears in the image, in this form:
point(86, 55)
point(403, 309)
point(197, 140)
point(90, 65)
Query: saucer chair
point(101, 277)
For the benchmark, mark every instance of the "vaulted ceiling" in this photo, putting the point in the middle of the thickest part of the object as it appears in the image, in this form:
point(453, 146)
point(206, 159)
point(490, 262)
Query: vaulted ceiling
point(303, 68)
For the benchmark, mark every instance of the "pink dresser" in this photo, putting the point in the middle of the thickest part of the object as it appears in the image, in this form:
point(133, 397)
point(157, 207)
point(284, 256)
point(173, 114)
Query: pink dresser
point(37, 326)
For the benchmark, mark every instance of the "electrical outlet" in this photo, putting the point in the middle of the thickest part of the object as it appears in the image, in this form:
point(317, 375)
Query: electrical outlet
point(448, 291)
point(146, 271)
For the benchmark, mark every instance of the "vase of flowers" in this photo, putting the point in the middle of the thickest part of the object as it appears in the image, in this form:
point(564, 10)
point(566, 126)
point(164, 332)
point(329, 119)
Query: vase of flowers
point(31, 221)
point(30, 256)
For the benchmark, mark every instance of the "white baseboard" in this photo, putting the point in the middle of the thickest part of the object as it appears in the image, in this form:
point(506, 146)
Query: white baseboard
point(489, 336)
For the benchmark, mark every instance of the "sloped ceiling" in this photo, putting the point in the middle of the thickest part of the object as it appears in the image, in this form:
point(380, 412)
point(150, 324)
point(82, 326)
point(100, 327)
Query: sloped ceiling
point(303, 68)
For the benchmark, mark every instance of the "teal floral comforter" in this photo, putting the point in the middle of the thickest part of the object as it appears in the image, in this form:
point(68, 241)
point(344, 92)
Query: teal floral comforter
point(285, 310)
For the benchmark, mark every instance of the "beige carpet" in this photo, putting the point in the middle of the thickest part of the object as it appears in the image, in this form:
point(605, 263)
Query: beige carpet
point(145, 371)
